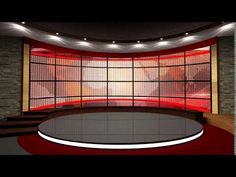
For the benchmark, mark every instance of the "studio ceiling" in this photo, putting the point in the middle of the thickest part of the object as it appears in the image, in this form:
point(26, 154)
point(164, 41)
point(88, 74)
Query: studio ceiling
point(118, 37)
point(121, 31)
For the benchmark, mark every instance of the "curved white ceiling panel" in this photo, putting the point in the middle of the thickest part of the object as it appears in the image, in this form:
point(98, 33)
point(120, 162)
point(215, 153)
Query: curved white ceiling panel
point(22, 30)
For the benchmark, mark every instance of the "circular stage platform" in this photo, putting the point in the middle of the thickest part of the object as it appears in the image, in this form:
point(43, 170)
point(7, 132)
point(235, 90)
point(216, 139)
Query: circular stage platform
point(120, 130)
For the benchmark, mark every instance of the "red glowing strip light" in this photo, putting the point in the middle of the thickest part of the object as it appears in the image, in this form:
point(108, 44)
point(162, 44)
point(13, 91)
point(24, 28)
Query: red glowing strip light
point(118, 59)
point(171, 104)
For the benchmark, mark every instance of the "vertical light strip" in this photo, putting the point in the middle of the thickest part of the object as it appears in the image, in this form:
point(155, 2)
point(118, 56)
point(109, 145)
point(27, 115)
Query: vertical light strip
point(26, 73)
point(214, 80)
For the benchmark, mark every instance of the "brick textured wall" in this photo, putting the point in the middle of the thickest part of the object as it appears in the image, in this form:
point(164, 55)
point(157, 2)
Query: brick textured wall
point(226, 74)
point(10, 75)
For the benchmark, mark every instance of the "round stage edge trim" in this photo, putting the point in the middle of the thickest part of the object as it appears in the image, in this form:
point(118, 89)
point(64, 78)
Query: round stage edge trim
point(120, 146)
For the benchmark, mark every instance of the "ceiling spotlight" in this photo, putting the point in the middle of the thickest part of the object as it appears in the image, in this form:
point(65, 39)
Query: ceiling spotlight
point(186, 34)
point(57, 34)
point(23, 23)
point(161, 39)
point(113, 42)
point(85, 39)
point(138, 41)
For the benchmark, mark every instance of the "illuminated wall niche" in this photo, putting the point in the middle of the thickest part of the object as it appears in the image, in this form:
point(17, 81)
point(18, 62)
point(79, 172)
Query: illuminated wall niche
point(180, 80)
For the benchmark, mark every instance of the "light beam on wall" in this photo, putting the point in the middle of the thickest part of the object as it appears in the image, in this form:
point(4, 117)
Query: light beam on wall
point(188, 38)
point(84, 43)
point(227, 27)
point(113, 46)
point(138, 45)
point(19, 27)
point(55, 38)
point(163, 43)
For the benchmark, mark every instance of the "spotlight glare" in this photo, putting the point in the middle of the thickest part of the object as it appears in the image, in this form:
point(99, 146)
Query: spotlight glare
point(113, 46)
point(23, 23)
point(57, 34)
point(19, 27)
point(162, 43)
point(138, 41)
point(113, 42)
point(186, 34)
point(227, 27)
point(188, 38)
point(138, 45)
point(55, 38)
point(85, 39)
point(83, 43)
point(161, 39)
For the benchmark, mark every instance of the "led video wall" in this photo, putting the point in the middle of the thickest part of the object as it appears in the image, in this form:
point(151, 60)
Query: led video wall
point(180, 80)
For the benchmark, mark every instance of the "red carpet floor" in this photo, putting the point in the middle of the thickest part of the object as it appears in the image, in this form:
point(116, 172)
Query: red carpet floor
point(214, 141)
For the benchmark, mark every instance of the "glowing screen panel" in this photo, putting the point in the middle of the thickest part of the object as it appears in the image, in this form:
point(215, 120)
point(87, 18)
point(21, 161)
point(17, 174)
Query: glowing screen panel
point(120, 74)
point(172, 73)
point(120, 89)
point(65, 89)
point(198, 79)
point(146, 62)
point(146, 74)
point(94, 74)
point(67, 73)
point(180, 80)
point(146, 89)
point(198, 72)
point(94, 89)
point(172, 89)
point(200, 55)
point(172, 59)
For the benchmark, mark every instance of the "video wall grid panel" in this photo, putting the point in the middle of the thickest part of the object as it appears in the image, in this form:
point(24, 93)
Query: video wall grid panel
point(181, 80)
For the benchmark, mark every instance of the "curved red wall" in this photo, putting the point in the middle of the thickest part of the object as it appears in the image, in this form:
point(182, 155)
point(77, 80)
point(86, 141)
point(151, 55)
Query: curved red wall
point(176, 78)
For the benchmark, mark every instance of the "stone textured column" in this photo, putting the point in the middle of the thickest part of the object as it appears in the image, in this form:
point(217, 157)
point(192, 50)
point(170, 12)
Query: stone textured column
point(10, 75)
point(226, 74)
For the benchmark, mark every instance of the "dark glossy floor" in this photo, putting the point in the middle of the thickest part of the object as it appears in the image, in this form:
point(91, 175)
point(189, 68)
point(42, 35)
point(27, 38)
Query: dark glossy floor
point(120, 127)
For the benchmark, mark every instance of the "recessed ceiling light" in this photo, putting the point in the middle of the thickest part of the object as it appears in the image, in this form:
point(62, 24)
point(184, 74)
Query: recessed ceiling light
point(138, 41)
point(23, 23)
point(57, 33)
point(113, 42)
point(161, 39)
point(186, 34)
point(85, 39)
